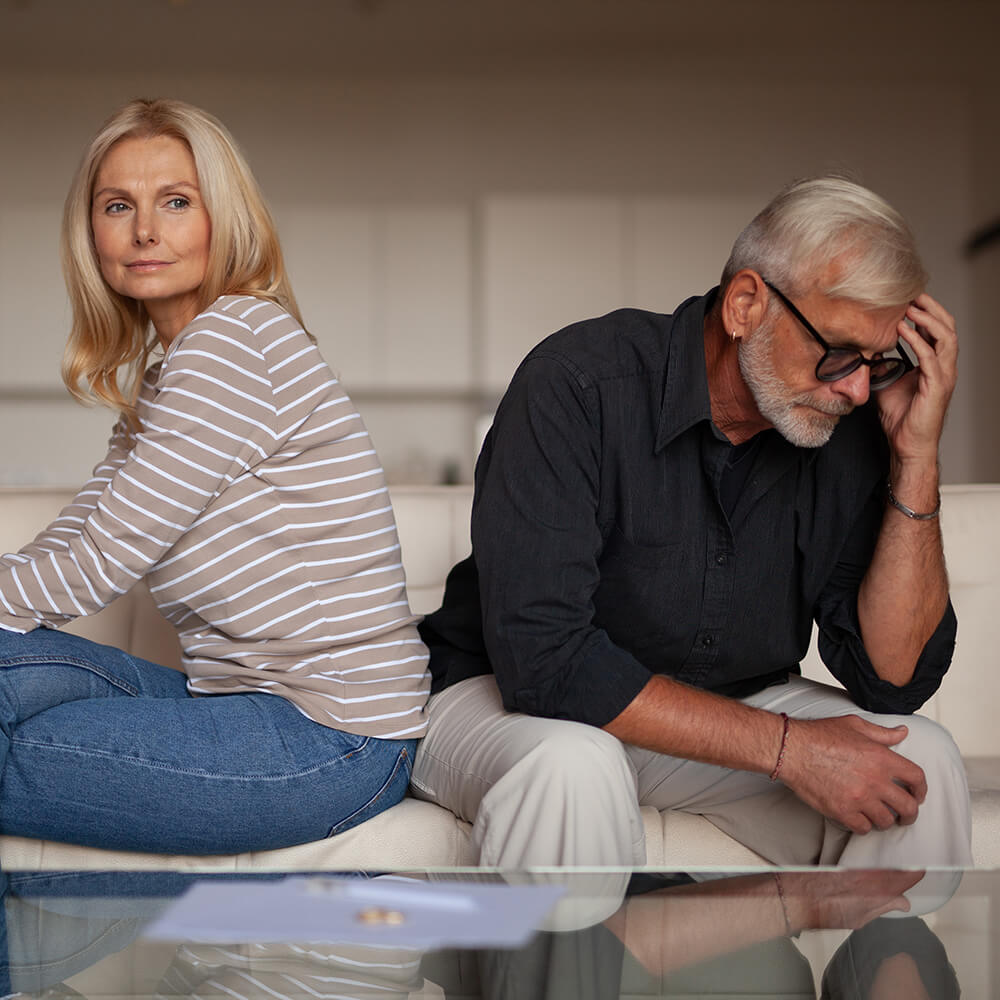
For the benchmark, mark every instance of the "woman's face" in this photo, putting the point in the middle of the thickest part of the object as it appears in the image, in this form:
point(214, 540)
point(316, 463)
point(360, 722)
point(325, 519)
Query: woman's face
point(151, 229)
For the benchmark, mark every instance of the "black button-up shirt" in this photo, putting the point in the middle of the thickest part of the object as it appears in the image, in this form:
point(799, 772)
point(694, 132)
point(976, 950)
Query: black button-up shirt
point(602, 552)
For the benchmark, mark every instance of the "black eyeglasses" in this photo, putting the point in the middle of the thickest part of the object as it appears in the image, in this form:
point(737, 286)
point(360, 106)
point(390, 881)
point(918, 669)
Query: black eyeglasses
point(839, 362)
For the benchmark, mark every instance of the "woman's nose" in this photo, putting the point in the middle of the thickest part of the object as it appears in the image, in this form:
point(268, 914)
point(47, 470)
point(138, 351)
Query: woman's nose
point(145, 231)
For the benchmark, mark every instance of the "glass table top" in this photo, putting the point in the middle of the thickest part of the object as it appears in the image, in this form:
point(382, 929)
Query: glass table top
point(464, 934)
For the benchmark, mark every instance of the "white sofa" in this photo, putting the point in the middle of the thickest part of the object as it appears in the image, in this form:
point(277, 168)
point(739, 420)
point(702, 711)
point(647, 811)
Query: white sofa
point(433, 525)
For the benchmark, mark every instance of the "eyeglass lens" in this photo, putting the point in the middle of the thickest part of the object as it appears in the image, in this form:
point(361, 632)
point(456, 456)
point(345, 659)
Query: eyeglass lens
point(838, 363)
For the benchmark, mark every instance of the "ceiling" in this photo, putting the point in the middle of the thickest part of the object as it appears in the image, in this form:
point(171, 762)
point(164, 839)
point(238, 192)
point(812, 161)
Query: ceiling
point(770, 38)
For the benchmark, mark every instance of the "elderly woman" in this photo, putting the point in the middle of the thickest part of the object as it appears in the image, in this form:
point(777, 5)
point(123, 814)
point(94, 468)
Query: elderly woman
point(241, 483)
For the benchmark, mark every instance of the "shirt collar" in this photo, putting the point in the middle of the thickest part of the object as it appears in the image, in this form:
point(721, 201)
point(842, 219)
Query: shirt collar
point(685, 382)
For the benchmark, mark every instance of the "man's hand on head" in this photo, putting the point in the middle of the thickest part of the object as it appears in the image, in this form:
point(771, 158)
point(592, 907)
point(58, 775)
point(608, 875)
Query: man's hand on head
point(913, 409)
point(904, 594)
point(845, 769)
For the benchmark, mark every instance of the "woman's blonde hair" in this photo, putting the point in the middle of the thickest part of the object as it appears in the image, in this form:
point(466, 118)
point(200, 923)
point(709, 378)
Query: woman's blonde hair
point(111, 338)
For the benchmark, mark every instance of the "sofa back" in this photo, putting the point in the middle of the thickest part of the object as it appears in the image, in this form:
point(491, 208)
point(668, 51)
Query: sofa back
point(434, 533)
point(968, 701)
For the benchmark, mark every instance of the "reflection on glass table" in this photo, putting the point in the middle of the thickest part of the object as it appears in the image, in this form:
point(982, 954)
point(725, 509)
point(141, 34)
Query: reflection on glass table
point(789, 933)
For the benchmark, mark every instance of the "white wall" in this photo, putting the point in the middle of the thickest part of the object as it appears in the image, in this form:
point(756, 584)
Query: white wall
point(440, 220)
point(981, 351)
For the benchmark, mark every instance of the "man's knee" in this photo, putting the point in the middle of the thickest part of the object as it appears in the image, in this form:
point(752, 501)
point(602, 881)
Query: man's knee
point(570, 799)
point(579, 759)
point(941, 834)
point(928, 743)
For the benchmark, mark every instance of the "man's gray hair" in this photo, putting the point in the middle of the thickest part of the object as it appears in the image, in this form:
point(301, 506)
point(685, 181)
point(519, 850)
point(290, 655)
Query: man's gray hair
point(813, 223)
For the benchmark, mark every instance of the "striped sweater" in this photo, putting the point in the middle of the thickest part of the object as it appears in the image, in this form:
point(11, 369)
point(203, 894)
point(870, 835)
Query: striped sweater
point(293, 970)
point(254, 505)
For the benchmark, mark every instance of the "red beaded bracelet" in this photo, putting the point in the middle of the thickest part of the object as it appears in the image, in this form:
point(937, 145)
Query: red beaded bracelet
point(784, 743)
point(784, 905)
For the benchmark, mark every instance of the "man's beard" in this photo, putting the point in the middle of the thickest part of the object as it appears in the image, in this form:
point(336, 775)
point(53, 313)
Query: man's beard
point(801, 418)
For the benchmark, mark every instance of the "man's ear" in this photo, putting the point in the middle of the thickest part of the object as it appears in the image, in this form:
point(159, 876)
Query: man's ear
point(743, 303)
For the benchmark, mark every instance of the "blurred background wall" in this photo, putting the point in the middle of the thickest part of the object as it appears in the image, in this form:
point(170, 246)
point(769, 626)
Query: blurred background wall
point(454, 179)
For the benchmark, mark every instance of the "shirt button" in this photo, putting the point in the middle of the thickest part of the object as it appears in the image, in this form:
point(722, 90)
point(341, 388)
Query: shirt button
point(707, 640)
point(720, 559)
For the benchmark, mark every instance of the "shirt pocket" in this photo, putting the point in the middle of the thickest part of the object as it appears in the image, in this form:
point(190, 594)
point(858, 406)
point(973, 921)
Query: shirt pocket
point(641, 595)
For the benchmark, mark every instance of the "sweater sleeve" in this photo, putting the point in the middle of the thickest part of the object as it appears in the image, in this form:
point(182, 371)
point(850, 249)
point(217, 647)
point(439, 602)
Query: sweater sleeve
point(55, 538)
point(207, 415)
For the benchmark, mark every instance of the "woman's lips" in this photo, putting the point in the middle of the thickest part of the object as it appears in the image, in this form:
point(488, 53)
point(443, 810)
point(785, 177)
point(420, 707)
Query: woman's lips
point(147, 265)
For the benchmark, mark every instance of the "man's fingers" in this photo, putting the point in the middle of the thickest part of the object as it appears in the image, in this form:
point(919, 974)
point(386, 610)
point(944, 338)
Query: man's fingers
point(887, 736)
point(909, 777)
point(900, 903)
point(920, 344)
point(935, 334)
point(929, 304)
point(914, 779)
point(855, 778)
point(894, 804)
point(881, 817)
point(898, 881)
point(903, 805)
point(858, 823)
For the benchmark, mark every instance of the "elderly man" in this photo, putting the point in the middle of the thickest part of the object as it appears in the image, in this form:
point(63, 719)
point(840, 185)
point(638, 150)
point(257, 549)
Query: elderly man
point(664, 505)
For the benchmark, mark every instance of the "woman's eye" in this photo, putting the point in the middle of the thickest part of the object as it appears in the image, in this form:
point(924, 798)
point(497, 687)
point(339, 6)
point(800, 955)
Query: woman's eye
point(115, 207)
point(178, 202)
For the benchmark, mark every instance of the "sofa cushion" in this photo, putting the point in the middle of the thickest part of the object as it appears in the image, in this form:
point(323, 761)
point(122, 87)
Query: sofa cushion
point(434, 533)
point(412, 834)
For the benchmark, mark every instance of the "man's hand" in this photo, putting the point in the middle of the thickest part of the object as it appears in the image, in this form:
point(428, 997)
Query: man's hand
point(844, 768)
point(912, 410)
point(845, 900)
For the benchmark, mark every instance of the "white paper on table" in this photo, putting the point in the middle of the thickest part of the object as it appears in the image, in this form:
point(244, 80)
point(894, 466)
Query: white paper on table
point(406, 913)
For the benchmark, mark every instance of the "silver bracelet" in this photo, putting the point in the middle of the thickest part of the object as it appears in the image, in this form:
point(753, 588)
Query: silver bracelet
point(909, 511)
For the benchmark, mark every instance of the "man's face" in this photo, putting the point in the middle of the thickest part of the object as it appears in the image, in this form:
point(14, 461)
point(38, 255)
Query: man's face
point(778, 363)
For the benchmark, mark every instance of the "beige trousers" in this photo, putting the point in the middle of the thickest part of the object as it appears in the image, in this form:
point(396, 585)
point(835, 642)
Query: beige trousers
point(545, 792)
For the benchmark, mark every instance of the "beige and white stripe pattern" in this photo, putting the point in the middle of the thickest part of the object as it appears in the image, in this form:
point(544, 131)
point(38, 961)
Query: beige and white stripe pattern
point(255, 506)
point(317, 971)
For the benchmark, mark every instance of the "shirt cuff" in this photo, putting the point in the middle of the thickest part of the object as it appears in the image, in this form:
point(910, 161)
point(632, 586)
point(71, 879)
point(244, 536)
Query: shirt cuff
point(596, 687)
point(843, 652)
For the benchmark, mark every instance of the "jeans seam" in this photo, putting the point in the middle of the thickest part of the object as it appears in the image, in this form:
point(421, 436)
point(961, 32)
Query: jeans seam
point(401, 759)
point(55, 963)
point(173, 769)
point(70, 661)
point(361, 748)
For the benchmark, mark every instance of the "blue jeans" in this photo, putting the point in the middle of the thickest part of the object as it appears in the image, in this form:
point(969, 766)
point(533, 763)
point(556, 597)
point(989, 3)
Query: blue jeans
point(104, 749)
